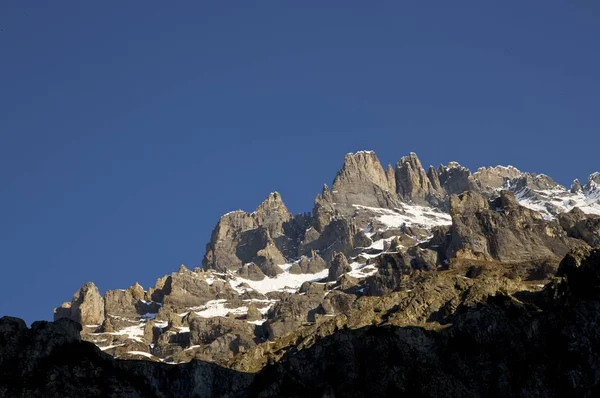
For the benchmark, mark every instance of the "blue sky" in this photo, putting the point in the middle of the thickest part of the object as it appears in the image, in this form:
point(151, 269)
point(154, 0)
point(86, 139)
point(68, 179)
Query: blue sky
point(126, 130)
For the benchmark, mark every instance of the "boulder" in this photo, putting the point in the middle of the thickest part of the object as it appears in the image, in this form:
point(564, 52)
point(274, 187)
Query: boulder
point(290, 313)
point(251, 271)
point(339, 266)
point(253, 313)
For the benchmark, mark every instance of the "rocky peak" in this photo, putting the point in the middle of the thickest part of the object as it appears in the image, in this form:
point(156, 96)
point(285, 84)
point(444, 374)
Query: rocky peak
point(183, 268)
point(240, 237)
point(272, 213)
point(495, 177)
point(592, 187)
point(324, 209)
point(434, 179)
point(361, 181)
point(390, 174)
point(137, 291)
point(506, 201)
point(576, 187)
point(595, 177)
point(455, 179)
point(360, 167)
point(467, 202)
point(86, 307)
point(534, 182)
point(412, 183)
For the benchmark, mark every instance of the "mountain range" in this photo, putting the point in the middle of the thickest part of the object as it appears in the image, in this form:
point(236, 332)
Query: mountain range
point(397, 259)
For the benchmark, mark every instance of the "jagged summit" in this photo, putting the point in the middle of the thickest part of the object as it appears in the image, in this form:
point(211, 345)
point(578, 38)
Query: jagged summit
point(268, 273)
point(360, 153)
point(576, 187)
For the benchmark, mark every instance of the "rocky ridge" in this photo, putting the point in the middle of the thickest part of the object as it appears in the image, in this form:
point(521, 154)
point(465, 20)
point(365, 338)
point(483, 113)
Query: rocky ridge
point(376, 234)
point(472, 330)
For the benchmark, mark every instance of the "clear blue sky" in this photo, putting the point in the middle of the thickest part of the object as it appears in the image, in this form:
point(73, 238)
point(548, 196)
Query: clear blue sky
point(126, 130)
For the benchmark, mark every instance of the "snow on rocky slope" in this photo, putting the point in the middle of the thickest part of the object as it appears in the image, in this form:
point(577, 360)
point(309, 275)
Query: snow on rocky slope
point(262, 269)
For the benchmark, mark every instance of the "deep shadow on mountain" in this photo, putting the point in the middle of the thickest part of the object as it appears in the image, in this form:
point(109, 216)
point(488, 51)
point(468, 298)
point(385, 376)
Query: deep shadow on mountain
point(544, 344)
point(499, 349)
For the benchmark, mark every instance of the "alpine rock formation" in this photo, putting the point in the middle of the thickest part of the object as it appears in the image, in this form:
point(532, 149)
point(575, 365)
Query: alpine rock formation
point(388, 255)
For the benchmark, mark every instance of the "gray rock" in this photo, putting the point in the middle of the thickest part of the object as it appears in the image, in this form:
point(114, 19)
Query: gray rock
point(87, 306)
point(489, 179)
point(582, 226)
point(253, 313)
point(392, 267)
point(251, 271)
point(121, 303)
point(502, 230)
point(339, 266)
point(576, 187)
point(290, 313)
point(190, 289)
point(423, 258)
point(412, 183)
point(435, 180)
point(241, 237)
point(456, 179)
point(362, 181)
point(308, 265)
point(592, 186)
point(296, 269)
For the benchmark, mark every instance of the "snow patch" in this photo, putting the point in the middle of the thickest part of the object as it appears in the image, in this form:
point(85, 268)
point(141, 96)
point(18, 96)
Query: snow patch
point(147, 355)
point(284, 282)
point(361, 271)
point(409, 215)
point(258, 323)
point(215, 308)
point(135, 332)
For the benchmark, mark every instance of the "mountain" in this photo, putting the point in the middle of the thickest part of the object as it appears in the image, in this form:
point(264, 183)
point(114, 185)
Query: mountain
point(378, 230)
point(396, 263)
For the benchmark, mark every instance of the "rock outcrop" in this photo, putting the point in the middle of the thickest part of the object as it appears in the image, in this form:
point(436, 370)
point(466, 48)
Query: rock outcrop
point(220, 338)
point(456, 179)
point(362, 181)
point(592, 186)
point(241, 237)
point(502, 230)
point(128, 302)
point(491, 178)
point(576, 187)
point(308, 265)
point(86, 307)
point(579, 225)
point(339, 266)
point(412, 182)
